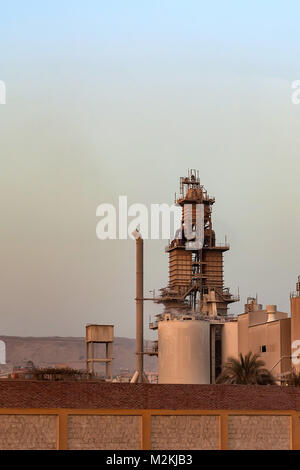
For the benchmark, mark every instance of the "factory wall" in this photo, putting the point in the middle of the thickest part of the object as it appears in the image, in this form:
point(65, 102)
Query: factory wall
point(196, 432)
point(243, 326)
point(259, 432)
point(252, 332)
point(143, 416)
point(94, 431)
point(28, 431)
point(285, 345)
point(229, 340)
point(148, 429)
point(275, 337)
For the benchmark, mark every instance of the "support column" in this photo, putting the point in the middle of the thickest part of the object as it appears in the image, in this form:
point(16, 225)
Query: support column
point(87, 358)
point(92, 358)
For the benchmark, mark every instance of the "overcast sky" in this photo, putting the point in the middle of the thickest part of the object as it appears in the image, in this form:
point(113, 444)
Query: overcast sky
point(121, 98)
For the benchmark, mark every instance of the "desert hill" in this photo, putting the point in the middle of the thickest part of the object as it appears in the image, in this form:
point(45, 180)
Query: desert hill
point(70, 351)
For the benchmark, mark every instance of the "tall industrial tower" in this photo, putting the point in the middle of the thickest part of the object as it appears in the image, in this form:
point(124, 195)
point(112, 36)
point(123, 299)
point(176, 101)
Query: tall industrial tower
point(196, 279)
point(195, 300)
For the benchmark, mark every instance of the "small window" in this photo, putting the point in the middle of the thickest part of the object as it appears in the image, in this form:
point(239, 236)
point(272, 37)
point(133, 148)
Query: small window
point(263, 348)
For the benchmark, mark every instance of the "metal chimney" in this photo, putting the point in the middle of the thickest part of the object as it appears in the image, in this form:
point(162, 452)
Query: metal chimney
point(139, 375)
point(271, 311)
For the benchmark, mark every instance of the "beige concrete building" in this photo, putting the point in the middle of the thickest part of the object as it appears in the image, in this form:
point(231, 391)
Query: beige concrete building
point(295, 326)
point(193, 348)
point(268, 332)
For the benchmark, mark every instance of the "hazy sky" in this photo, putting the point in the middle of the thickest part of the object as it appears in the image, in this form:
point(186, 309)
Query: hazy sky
point(109, 98)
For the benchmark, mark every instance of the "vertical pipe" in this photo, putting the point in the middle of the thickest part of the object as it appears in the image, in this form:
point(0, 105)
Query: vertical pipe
point(139, 307)
point(87, 358)
point(92, 357)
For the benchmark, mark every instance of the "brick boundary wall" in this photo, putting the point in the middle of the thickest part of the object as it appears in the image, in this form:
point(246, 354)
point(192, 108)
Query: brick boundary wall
point(270, 412)
point(64, 416)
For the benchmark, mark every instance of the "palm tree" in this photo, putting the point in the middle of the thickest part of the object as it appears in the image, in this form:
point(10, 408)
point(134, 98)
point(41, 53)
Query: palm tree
point(247, 370)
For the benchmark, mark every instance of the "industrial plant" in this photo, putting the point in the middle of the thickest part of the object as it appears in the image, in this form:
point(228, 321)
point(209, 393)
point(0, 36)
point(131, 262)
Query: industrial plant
point(196, 334)
point(188, 408)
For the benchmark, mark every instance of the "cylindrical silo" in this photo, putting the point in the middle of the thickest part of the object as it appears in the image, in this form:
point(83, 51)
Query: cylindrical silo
point(183, 351)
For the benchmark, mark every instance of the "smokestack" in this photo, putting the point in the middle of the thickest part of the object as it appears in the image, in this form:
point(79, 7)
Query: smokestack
point(139, 375)
point(271, 311)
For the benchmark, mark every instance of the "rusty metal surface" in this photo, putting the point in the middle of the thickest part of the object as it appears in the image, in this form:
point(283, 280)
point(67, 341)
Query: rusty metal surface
point(196, 278)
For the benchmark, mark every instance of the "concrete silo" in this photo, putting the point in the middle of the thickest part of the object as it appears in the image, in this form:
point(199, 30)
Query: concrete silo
point(184, 351)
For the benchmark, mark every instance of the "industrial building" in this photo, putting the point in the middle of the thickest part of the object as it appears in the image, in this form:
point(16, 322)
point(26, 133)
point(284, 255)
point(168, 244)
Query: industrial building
point(264, 332)
point(196, 334)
